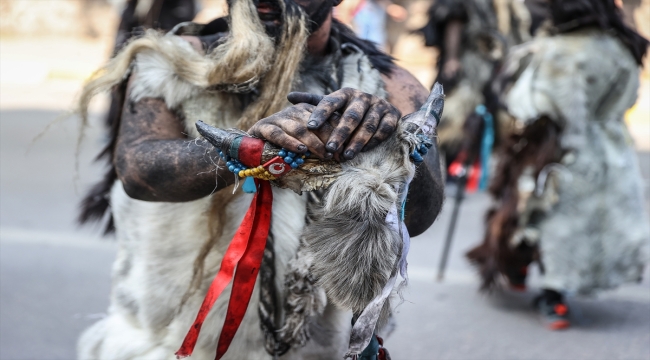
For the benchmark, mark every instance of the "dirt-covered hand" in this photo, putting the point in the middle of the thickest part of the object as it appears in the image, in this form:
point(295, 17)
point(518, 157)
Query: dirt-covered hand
point(365, 121)
point(288, 129)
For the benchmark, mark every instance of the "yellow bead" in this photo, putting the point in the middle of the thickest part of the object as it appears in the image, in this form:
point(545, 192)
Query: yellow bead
point(241, 173)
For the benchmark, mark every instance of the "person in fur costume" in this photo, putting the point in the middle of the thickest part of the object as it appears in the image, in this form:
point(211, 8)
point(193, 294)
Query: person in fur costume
point(174, 204)
point(472, 37)
point(568, 191)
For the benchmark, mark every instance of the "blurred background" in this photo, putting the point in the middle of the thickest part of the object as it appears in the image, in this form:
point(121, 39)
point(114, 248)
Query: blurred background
point(55, 276)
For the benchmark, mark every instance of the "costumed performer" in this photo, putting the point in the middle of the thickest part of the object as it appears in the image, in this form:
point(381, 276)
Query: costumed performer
point(174, 222)
point(568, 189)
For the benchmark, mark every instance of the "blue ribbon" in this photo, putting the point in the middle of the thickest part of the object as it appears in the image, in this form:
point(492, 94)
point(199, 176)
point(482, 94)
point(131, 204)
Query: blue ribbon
point(487, 142)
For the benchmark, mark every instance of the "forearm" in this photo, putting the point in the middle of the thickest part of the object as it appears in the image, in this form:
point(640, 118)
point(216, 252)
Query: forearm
point(172, 170)
point(426, 195)
point(155, 161)
point(453, 33)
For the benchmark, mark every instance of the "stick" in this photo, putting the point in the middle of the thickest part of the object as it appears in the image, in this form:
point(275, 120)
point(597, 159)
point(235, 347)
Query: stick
point(460, 195)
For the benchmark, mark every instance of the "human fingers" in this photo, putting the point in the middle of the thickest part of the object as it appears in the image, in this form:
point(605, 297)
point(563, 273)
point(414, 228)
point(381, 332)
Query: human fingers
point(364, 132)
point(299, 131)
point(386, 127)
point(351, 118)
point(276, 135)
point(326, 107)
point(296, 97)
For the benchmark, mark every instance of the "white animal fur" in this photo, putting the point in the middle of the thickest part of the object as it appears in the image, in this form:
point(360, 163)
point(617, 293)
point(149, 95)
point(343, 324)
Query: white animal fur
point(355, 251)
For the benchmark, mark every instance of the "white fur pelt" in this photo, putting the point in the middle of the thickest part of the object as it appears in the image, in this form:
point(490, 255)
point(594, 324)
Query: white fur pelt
point(158, 243)
point(355, 251)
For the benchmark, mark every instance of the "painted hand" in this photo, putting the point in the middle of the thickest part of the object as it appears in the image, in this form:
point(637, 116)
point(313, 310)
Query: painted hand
point(365, 120)
point(288, 129)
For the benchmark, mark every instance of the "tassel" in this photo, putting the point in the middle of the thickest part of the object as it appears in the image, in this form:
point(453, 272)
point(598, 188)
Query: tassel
point(249, 185)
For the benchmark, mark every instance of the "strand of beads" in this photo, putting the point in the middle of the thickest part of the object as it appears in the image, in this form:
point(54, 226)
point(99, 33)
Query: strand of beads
point(258, 172)
point(422, 149)
point(235, 166)
point(294, 160)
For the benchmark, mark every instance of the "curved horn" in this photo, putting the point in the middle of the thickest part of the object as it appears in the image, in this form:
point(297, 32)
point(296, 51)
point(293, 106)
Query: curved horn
point(427, 118)
point(219, 138)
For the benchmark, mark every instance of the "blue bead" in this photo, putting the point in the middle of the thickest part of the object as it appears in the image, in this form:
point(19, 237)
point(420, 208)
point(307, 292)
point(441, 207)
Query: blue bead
point(299, 161)
point(423, 149)
point(416, 157)
point(282, 153)
point(237, 170)
point(231, 168)
point(291, 154)
point(288, 159)
point(308, 153)
point(294, 165)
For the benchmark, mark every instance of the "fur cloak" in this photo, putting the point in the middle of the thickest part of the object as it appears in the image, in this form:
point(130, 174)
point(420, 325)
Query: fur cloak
point(569, 184)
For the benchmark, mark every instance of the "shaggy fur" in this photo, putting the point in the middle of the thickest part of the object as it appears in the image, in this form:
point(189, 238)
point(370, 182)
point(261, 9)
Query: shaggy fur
point(355, 251)
point(533, 150)
point(238, 65)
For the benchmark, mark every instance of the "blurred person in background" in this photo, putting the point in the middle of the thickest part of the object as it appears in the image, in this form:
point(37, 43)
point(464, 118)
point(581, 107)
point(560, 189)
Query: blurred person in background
point(370, 20)
point(472, 36)
point(568, 189)
point(173, 204)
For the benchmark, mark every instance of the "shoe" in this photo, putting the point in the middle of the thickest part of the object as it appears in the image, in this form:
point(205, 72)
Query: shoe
point(554, 314)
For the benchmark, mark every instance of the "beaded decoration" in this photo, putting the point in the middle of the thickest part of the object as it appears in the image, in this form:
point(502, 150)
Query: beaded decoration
point(261, 172)
point(422, 149)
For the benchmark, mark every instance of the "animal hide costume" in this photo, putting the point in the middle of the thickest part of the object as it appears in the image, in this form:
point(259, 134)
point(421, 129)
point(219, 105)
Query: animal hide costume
point(301, 302)
point(490, 27)
point(568, 188)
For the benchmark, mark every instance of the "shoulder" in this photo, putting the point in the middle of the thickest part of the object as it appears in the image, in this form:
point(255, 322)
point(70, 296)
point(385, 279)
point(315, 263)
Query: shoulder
point(156, 65)
point(404, 91)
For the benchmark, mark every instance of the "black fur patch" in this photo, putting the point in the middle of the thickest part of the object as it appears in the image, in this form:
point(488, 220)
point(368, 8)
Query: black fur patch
point(381, 61)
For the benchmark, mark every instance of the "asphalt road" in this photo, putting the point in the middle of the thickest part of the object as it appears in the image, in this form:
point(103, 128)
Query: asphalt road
point(54, 277)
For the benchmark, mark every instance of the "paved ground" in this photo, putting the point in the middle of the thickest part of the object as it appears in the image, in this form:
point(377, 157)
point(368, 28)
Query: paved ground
point(54, 278)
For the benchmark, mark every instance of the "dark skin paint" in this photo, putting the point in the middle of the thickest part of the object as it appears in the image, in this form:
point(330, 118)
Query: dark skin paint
point(156, 162)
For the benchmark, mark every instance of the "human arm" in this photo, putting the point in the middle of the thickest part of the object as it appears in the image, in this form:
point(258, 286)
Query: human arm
point(155, 161)
point(452, 39)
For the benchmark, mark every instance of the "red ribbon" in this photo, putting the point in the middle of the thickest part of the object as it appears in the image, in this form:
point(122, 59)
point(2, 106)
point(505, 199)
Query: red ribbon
point(245, 252)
